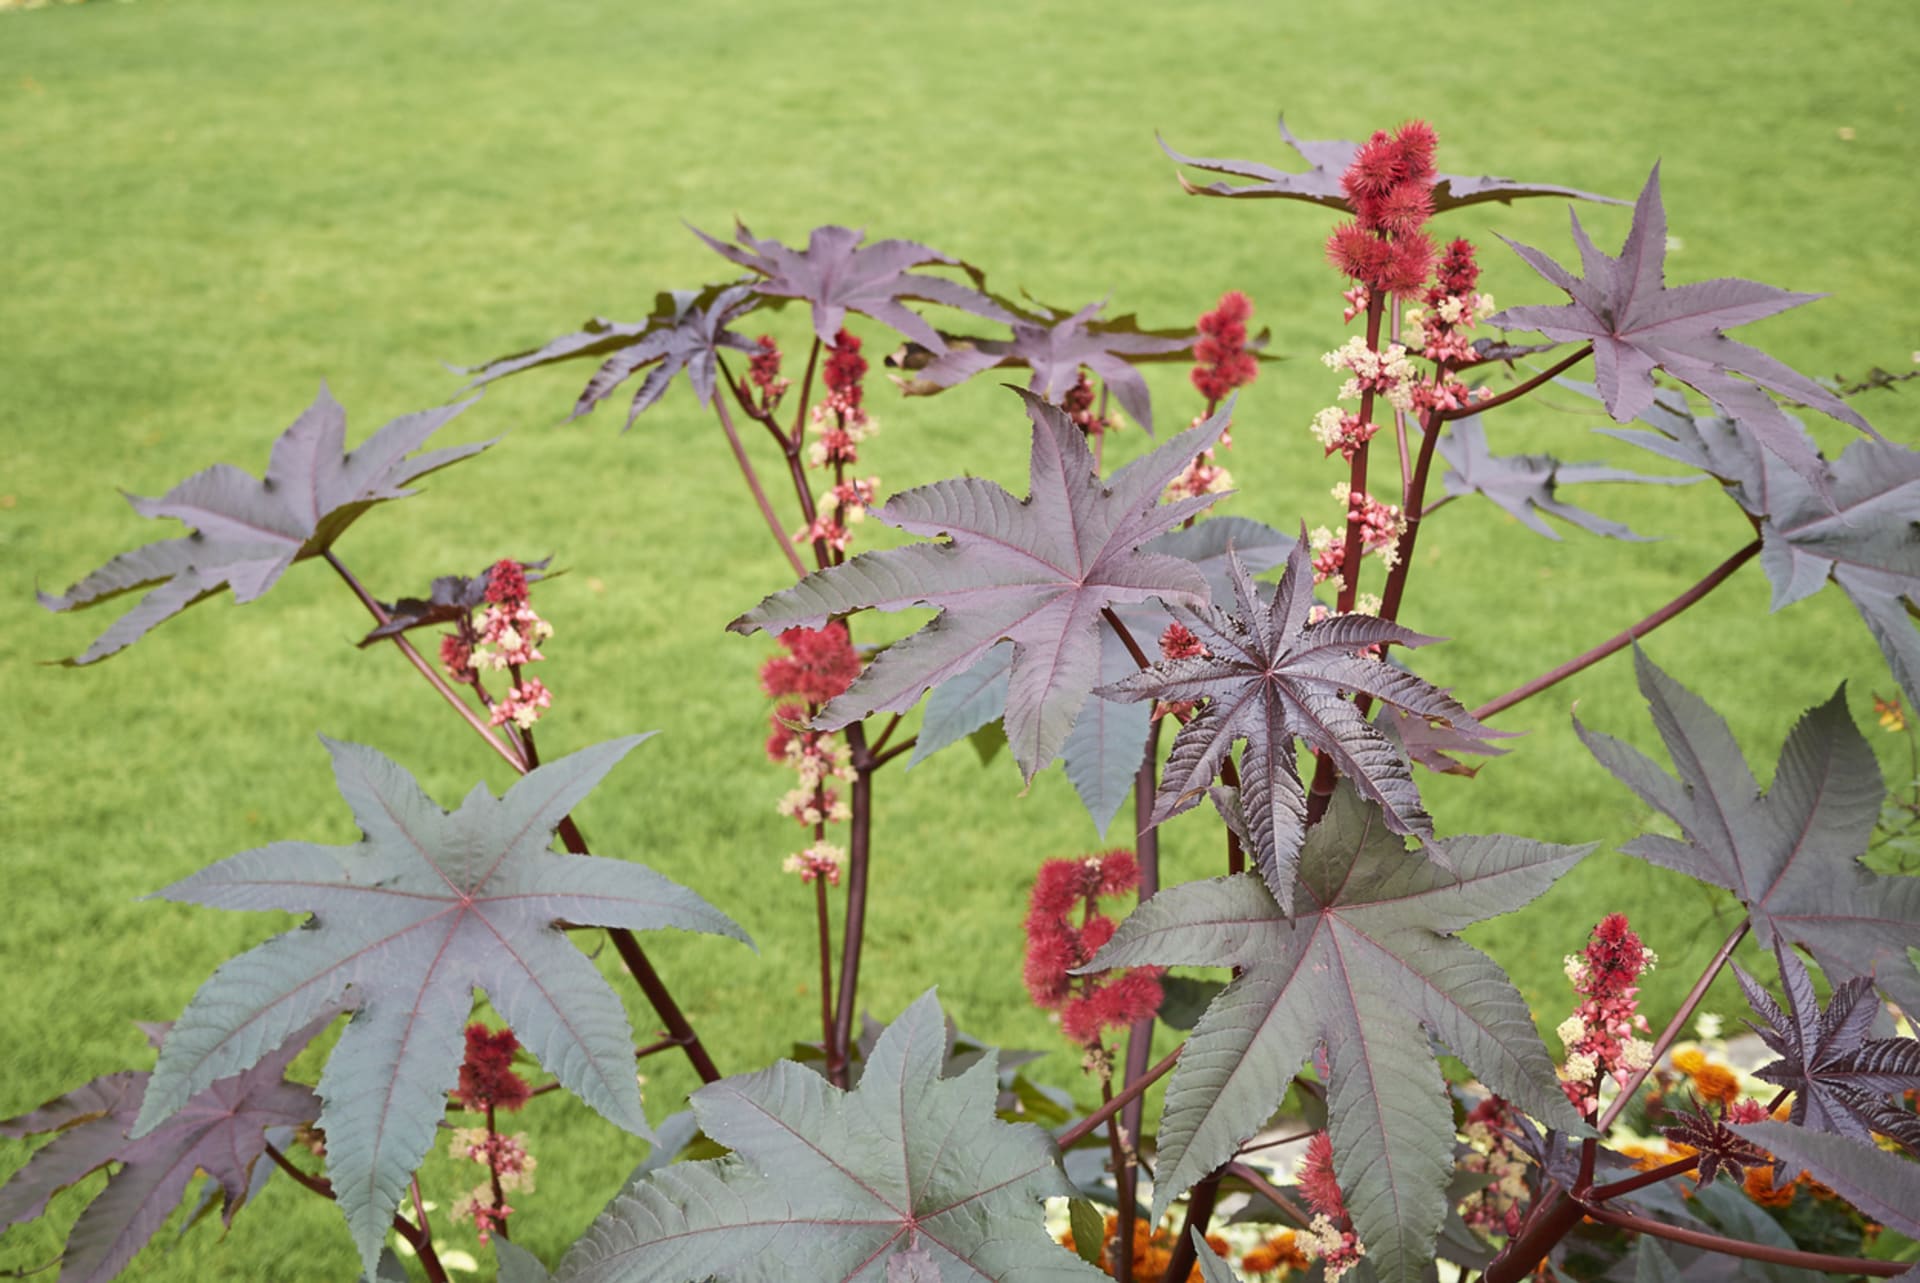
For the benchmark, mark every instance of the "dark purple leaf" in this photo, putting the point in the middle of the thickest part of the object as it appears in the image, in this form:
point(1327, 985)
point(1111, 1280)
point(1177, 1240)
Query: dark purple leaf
point(1327, 159)
point(1037, 572)
point(684, 332)
point(1527, 485)
point(1861, 529)
point(1791, 856)
point(1055, 346)
point(426, 908)
point(220, 1131)
point(1108, 740)
point(826, 1184)
point(836, 275)
point(1637, 324)
point(1884, 1187)
point(1429, 743)
point(451, 598)
point(1270, 676)
point(247, 532)
point(1721, 1151)
point(1365, 969)
point(1839, 1077)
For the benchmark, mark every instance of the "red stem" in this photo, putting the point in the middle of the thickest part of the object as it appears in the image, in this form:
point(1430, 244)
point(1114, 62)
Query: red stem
point(1514, 393)
point(1792, 1257)
point(835, 1069)
point(752, 479)
point(1132, 1092)
point(1123, 1186)
point(417, 1238)
point(1357, 476)
point(1146, 850)
point(1271, 1192)
point(1199, 1212)
point(859, 860)
point(1620, 640)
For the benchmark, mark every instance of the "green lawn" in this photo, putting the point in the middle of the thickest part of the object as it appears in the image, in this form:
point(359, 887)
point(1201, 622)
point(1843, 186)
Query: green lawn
point(207, 208)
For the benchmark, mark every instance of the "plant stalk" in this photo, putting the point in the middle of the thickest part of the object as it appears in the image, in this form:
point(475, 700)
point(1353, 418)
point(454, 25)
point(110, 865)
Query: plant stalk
point(1146, 851)
point(1553, 676)
point(1199, 1212)
point(859, 860)
point(1269, 1191)
point(1552, 372)
point(1132, 1092)
point(835, 1065)
point(760, 500)
point(417, 1237)
point(1791, 1257)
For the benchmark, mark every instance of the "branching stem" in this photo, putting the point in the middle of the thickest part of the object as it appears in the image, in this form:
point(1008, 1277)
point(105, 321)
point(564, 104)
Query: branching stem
point(1133, 1091)
point(1514, 393)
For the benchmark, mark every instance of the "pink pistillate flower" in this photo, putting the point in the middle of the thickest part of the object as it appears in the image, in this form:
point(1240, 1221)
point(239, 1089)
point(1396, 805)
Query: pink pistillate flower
point(1203, 476)
point(487, 1078)
point(523, 704)
point(478, 1207)
point(763, 372)
point(821, 860)
point(1221, 360)
point(1079, 405)
point(1178, 642)
point(1056, 945)
point(510, 636)
point(456, 657)
point(820, 663)
point(1598, 1036)
point(1500, 1206)
point(1357, 300)
point(845, 367)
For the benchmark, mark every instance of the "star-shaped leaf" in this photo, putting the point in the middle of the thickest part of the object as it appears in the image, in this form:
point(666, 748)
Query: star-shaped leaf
point(1327, 159)
point(1860, 527)
point(1839, 1077)
point(834, 1186)
point(1637, 324)
point(1884, 1187)
point(246, 532)
point(1527, 485)
point(1108, 741)
point(1055, 346)
point(685, 331)
point(407, 923)
point(221, 1131)
point(1791, 856)
point(1428, 743)
point(450, 598)
point(1720, 1150)
point(1268, 677)
point(837, 275)
point(1035, 571)
point(1365, 968)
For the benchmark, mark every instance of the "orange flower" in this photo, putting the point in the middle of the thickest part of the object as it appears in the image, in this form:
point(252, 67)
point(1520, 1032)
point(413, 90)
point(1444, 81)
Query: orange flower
point(1690, 1061)
point(1276, 1254)
point(1760, 1188)
point(1717, 1083)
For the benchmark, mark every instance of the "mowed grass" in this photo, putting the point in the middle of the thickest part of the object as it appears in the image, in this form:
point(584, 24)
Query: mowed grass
point(206, 209)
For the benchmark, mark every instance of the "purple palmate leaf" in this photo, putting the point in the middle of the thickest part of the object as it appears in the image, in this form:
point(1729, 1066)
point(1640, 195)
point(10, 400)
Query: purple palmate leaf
point(1365, 968)
point(1636, 323)
point(221, 1131)
point(1861, 530)
point(908, 1167)
point(1527, 485)
point(1055, 345)
point(1839, 1077)
point(1269, 677)
point(1327, 159)
point(406, 924)
point(837, 275)
point(685, 331)
point(1791, 855)
point(246, 532)
point(1885, 1187)
point(1036, 571)
point(1721, 1152)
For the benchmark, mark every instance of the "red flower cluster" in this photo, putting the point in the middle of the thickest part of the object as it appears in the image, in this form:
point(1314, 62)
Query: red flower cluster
point(1599, 1035)
point(764, 373)
point(1222, 360)
point(845, 369)
point(819, 664)
point(507, 583)
point(1178, 642)
point(1331, 1237)
point(1055, 946)
point(1389, 186)
point(487, 1080)
point(1078, 403)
